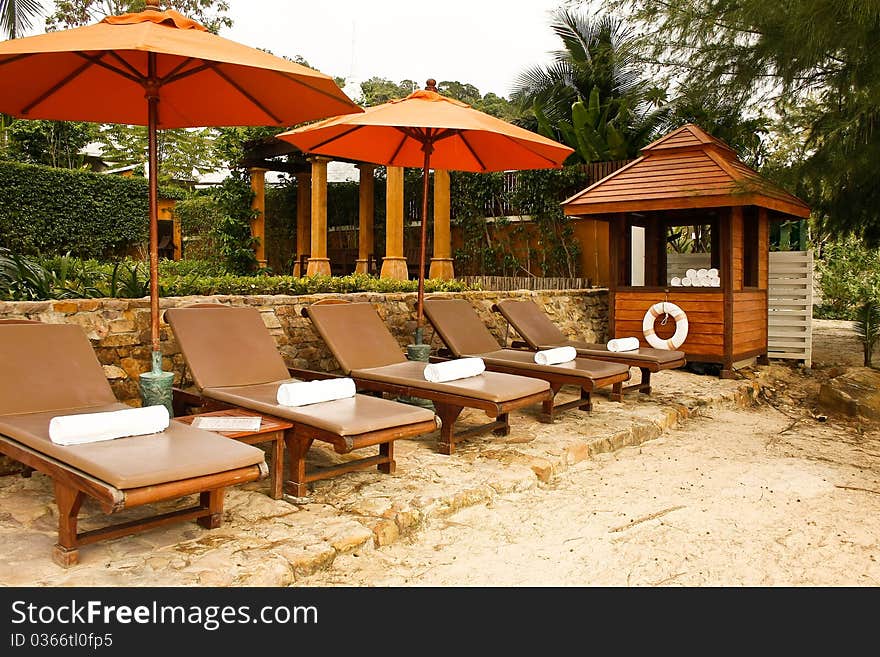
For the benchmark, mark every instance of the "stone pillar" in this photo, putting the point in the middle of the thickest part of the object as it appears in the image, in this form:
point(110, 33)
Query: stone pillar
point(258, 223)
point(394, 263)
point(441, 263)
point(303, 220)
point(366, 212)
point(319, 263)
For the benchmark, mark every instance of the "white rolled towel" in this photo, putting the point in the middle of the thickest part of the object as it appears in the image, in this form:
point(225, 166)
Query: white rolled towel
point(555, 356)
point(701, 273)
point(675, 282)
point(95, 427)
point(713, 273)
point(458, 368)
point(686, 282)
point(302, 393)
point(623, 344)
point(691, 273)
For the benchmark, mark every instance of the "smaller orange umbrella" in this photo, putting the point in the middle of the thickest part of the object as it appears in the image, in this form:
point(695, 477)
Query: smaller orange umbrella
point(426, 129)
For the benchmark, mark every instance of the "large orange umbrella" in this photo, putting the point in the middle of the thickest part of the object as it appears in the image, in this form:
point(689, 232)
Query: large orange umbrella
point(428, 130)
point(163, 70)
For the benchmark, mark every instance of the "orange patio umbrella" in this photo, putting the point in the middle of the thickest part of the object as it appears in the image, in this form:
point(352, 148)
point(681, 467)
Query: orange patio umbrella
point(428, 130)
point(163, 70)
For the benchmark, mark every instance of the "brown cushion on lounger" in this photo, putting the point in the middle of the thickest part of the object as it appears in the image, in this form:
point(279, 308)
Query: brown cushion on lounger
point(345, 417)
point(531, 323)
point(226, 346)
point(487, 386)
point(470, 335)
point(357, 336)
point(48, 367)
point(180, 452)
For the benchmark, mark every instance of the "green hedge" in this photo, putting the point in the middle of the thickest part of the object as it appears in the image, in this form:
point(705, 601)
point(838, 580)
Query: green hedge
point(56, 211)
point(257, 285)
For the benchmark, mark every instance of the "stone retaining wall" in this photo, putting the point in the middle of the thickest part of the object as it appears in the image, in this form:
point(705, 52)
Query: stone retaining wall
point(119, 329)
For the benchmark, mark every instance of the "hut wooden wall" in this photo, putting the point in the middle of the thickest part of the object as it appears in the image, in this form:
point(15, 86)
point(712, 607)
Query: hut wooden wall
point(705, 312)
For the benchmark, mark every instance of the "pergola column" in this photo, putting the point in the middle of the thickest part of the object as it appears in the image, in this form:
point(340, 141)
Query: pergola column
point(319, 263)
point(303, 220)
point(394, 263)
point(441, 263)
point(366, 212)
point(258, 223)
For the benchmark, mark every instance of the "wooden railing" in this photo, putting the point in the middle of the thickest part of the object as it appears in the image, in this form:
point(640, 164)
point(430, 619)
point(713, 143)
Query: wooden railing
point(510, 283)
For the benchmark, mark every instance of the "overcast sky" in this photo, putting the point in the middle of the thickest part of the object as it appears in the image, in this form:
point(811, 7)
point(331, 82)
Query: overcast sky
point(487, 43)
point(484, 42)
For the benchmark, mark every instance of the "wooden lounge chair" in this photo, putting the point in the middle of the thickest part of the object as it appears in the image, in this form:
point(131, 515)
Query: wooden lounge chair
point(234, 362)
point(366, 351)
point(539, 332)
point(462, 331)
point(50, 370)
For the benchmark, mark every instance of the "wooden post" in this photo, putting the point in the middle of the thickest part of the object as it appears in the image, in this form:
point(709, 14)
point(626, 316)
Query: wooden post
point(319, 263)
point(441, 263)
point(394, 263)
point(366, 212)
point(303, 220)
point(258, 223)
point(177, 236)
point(725, 244)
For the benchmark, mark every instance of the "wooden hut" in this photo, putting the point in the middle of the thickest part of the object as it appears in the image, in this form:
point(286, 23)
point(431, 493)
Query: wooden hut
point(690, 184)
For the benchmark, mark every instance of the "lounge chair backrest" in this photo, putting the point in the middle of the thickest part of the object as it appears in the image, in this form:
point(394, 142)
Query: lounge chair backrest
point(355, 334)
point(49, 367)
point(531, 322)
point(225, 346)
point(460, 327)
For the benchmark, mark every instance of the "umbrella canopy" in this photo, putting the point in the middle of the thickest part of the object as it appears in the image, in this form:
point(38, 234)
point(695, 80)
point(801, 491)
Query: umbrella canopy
point(426, 130)
point(163, 70)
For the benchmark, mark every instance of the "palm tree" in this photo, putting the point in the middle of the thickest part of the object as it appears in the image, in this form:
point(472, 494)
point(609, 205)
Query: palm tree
point(592, 96)
point(16, 16)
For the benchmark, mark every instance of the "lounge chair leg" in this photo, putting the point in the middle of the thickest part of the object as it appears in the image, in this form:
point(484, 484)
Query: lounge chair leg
point(617, 392)
point(505, 429)
point(386, 450)
point(297, 447)
point(69, 501)
point(212, 500)
point(645, 385)
point(448, 415)
point(547, 404)
point(587, 406)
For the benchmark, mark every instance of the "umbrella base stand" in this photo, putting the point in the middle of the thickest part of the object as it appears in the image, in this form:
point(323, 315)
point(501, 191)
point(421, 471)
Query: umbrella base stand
point(418, 352)
point(156, 386)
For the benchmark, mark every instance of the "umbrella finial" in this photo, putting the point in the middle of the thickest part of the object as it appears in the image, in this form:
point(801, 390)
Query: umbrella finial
point(431, 85)
point(153, 5)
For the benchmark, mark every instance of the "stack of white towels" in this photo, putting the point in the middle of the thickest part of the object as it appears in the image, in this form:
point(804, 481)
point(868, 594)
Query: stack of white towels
point(697, 278)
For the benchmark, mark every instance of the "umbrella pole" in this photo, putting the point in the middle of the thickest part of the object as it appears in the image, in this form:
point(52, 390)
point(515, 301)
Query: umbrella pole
point(427, 147)
point(153, 102)
point(156, 386)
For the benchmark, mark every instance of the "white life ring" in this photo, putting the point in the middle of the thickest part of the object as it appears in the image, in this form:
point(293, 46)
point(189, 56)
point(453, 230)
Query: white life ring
point(681, 325)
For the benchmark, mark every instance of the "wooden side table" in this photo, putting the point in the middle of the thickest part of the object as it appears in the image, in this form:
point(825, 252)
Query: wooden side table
point(271, 428)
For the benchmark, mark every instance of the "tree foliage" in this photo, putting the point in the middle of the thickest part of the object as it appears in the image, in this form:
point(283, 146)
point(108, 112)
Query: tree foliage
point(814, 60)
point(17, 16)
point(593, 96)
point(53, 143)
point(73, 13)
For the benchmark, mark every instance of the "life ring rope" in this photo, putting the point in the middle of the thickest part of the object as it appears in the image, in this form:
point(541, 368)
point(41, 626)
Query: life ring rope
point(669, 310)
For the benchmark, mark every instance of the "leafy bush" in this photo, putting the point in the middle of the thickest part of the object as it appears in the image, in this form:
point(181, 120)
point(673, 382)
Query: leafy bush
point(849, 276)
point(66, 277)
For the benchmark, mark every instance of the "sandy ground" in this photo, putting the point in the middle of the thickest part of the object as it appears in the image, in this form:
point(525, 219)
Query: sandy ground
point(778, 495)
